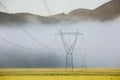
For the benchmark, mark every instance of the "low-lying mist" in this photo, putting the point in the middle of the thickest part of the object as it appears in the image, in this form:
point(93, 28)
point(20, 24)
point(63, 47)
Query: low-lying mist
point(39, 45)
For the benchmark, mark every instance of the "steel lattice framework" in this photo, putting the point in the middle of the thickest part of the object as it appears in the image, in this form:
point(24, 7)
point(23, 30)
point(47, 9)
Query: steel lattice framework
point(69, 47)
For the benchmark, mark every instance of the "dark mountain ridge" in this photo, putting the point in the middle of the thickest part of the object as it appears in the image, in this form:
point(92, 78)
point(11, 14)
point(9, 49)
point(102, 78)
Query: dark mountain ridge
point(107, 11)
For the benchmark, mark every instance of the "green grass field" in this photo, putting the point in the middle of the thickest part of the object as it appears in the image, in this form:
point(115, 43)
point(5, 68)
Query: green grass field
point(59, 74)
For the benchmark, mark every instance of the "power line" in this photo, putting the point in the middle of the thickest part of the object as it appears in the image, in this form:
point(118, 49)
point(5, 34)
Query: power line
point(30, 36)
point(3, 6)
point(34, 39)
point(19, 46)
point(16, 45)
point(47, 7)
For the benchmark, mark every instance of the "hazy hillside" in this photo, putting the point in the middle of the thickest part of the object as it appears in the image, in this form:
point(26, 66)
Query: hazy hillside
point(106, 11)
point(25, 18)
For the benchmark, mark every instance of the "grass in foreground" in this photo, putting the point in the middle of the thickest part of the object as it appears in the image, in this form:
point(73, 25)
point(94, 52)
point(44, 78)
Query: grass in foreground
point(59, 74)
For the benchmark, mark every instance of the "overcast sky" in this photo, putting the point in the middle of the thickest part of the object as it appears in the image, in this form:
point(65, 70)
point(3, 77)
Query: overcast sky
point(55, 6)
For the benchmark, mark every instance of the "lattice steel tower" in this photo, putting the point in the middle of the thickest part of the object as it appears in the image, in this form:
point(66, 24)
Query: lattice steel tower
point(69, 47)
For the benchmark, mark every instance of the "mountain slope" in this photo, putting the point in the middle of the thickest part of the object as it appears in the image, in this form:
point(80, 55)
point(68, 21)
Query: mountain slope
point(25, 18)
point(107, 11)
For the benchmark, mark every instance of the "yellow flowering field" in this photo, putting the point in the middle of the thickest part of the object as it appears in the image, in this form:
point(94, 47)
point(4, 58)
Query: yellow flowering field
point(59, 74)
point(59, 78)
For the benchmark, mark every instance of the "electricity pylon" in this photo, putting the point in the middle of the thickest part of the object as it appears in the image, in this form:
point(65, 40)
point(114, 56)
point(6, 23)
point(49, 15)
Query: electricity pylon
point(69, 47)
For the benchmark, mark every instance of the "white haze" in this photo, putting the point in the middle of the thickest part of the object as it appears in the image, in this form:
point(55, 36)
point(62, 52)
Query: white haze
point(100, 48)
